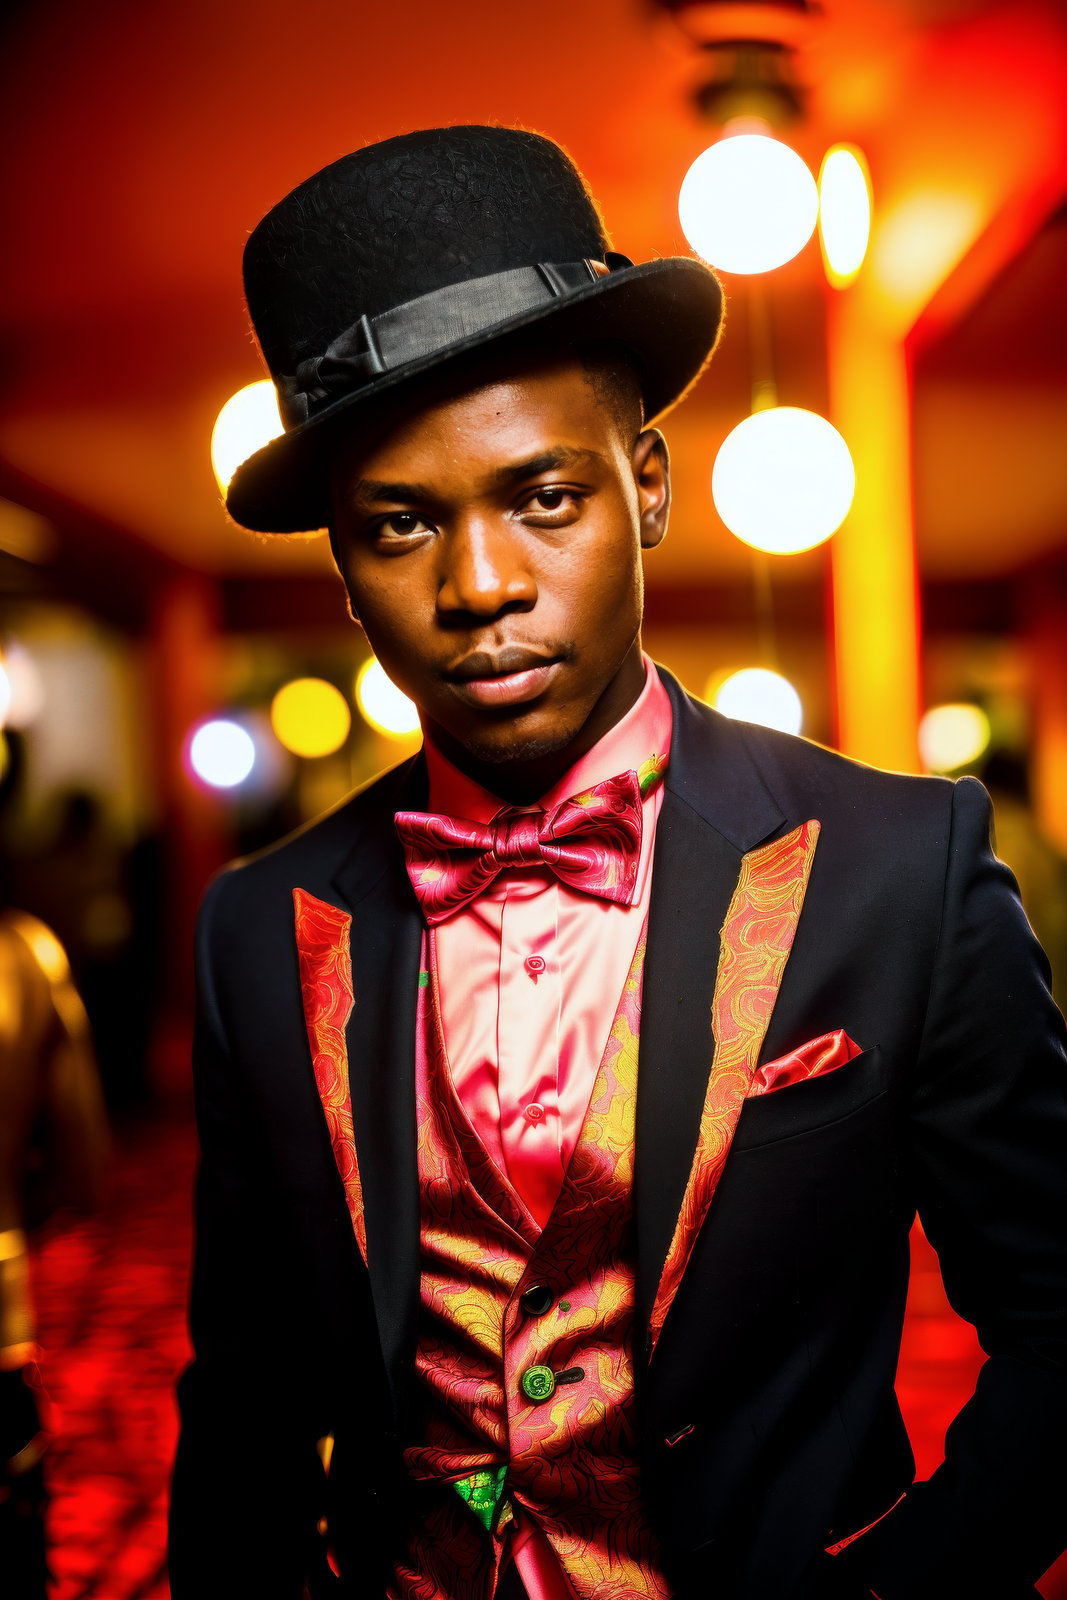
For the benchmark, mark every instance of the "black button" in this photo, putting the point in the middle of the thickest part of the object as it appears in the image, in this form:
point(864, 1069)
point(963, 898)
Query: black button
point(537, 1299)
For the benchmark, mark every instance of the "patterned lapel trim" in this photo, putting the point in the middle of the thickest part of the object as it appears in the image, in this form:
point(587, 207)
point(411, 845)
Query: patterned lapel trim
point(756, 939)
point(324, 949)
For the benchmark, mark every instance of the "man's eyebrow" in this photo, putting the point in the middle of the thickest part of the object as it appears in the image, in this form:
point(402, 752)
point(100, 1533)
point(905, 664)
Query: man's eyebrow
point(545, 461)
point(381, 492)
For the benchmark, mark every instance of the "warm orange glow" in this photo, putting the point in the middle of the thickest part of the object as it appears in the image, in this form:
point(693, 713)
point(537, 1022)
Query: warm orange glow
point(247, 422)
point(844, 213)
point(918, 243)
point(876, 617)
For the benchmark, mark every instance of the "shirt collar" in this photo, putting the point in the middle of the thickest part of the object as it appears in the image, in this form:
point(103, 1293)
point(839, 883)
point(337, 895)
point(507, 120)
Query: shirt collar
point(645, 730)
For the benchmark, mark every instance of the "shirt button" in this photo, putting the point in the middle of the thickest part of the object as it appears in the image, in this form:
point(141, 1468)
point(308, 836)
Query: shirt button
point(535, 1112)
point(534, 965)
point(538, 1383)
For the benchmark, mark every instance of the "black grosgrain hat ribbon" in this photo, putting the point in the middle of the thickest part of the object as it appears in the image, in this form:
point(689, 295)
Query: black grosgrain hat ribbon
point(405, 256)
point(428, 326)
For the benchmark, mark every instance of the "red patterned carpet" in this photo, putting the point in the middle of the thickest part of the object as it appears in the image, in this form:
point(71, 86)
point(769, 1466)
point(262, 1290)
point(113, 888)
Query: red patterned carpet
point(111, 1304)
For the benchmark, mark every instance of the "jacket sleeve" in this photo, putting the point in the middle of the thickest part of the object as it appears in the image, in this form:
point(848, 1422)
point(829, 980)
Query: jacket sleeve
point(246, 1477)
point(987, 1133)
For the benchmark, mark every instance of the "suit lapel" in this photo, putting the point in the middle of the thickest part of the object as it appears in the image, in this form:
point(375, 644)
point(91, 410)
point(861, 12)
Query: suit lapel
point(756, 939)
point(365, 1067)
point(692, 880)
point(716, 812)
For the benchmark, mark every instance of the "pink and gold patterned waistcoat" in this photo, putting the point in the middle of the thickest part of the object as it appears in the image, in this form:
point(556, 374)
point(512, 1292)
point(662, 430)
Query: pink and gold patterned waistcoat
point(509, 1312)
point(567, 1459)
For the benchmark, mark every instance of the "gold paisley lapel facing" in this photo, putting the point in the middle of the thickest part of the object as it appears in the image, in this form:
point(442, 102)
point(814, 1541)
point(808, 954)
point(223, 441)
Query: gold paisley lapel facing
point(324, 951)
point(756, 938)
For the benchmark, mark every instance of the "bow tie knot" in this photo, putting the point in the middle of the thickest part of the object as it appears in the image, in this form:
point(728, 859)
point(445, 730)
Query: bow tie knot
point(592, 842)
point(516, 838)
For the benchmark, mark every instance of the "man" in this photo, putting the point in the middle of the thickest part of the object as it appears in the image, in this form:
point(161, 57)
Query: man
point(566, 1096)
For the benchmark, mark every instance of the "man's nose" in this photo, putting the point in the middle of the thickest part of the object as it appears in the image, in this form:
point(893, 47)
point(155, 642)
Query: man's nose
point(484, 570)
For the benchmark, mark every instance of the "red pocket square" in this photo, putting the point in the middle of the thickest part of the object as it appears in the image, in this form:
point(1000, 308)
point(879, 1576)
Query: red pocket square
point(811, 1060)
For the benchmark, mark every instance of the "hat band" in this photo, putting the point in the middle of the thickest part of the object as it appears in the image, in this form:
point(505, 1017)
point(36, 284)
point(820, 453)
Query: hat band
point(426, 326)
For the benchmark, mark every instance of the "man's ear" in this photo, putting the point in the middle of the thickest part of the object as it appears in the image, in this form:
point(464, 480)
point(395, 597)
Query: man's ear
point(335, 551)
point(652, 475)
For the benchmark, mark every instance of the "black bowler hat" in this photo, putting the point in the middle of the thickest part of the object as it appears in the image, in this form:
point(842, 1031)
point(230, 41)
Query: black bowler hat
point(392, 262)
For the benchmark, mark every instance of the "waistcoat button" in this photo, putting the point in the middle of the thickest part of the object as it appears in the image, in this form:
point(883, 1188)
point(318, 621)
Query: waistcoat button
point(538, 1383)
point(536, 1300)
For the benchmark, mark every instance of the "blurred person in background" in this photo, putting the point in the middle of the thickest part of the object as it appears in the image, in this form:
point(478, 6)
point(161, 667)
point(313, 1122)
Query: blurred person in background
point(566, 1097)
point(53, 1152)
point(102, 901)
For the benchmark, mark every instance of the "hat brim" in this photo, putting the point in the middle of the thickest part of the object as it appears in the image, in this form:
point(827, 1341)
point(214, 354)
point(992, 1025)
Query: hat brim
point(667, 312)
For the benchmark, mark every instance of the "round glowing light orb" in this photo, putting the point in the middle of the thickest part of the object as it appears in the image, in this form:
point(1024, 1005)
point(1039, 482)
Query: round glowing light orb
point(384, 706)
point(310, 717)
point(952, 736)
point(748, 203)
point(221, 753)
point(249, 420)
point(844, 213)
point(783, 480)
point(757, 695)
point(5, 695)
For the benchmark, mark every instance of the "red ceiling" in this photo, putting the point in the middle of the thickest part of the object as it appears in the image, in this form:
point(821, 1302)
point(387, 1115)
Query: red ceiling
point(142, 142)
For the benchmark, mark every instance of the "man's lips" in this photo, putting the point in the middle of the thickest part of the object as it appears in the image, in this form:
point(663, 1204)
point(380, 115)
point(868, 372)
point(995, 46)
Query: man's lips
point(506, 677)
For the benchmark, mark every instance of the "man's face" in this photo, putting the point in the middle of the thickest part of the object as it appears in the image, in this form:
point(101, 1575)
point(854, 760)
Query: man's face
point(491, 545)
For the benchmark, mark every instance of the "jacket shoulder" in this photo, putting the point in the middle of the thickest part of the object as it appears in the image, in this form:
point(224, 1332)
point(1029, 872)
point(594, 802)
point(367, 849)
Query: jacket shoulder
point(254, 885)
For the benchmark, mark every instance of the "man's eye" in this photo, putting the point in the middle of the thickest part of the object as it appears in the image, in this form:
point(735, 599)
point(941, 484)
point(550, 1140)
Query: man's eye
point(551, 498)
point(401, 524)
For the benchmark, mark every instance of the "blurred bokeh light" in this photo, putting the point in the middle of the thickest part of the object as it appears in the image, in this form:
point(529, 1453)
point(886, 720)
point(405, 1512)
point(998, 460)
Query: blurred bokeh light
point(783, 480)
point(953, 736)
point(247, 422)
point(384, 706)
point(26, 697)
point(755, 694)
point(221, 753)
point(310, 717)
point(748, 203)
point(844, 213)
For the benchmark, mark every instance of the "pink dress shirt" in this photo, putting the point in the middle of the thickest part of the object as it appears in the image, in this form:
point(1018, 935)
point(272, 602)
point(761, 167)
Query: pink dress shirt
point(530, 973)
point(529, 978)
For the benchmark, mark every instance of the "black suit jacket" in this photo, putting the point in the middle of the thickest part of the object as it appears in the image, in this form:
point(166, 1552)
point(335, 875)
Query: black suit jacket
point(774, 1372)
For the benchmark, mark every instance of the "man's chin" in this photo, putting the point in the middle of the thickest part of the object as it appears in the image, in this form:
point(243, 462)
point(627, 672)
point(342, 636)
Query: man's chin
point(516, 750)
point(507, 744)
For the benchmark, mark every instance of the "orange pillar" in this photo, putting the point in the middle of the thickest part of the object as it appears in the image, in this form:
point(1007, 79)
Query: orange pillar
point(183, 679)
point(1046, 634)
point(874, 573)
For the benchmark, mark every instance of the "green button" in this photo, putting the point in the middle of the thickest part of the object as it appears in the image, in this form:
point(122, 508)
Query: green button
point(538, 1383)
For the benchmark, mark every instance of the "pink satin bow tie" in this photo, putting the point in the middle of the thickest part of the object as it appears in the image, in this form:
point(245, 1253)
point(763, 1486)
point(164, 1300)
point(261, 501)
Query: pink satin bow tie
point(592, 842)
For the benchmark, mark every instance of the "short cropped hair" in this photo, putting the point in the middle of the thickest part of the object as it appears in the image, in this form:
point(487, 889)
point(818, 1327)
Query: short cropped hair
point(613, 375)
